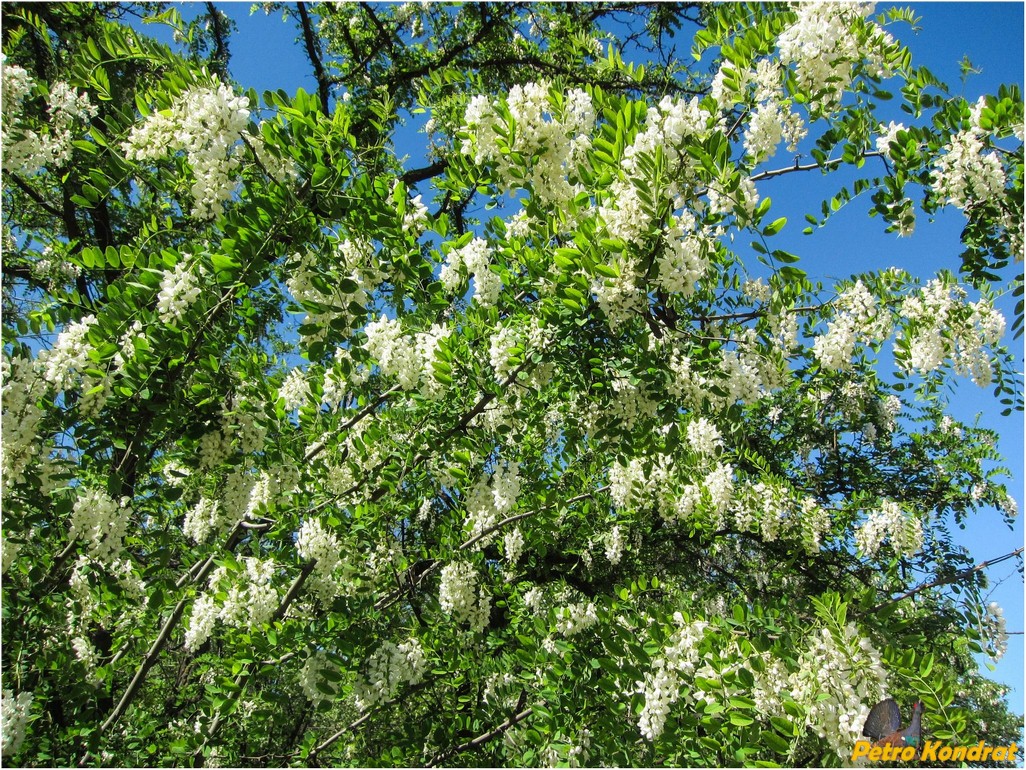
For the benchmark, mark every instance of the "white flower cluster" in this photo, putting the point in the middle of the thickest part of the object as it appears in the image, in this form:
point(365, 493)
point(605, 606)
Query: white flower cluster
point(101, 521)
point(994, 633)
point(1010, 507)
point(354, 259)
point(492, 498)
point(552, 134)
point(294, 390)
point(249, 603)
point(667, 125)
point(22, 387)
point(614, 545)
point(712, 495)
point(25, 150)
point(857, 319)
point(661, 686)
point(69, 357)
point(943, 326)
point(703, 436)
point(14, 715)
point(415, 218)
point(205, 518)
point(966, 175)
point(904, 532)
point(312, 679)
point(316, 542)
point(815, 523)
point(8, 553)
point(475, 258)
point(575, 618)
point(206, 123)
point(407, 357)
point(824, 45)
point(888, 136)
point(513, 546)
point(837, 680)
point(386, 670)
point(621, 298)
point(456, 594)
point(504, 340)
point(88, 657)
point(179, 288)
point(683, 261)
point(772, 119)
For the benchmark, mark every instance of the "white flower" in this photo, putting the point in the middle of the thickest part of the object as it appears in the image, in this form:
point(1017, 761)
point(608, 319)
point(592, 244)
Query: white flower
point(316, 542)
point(513, 546)
point(456, 594)
point(703, 436)
point(312, 675)
point(966, 174)
point(389, 667)
point(179, 288)
point(14, 713)
point(889, 522)
point(26, 150)
point(101, 521)
point(295, 390)
point(201, 622)
point(416, 217)
point(888, 135)
point(575, 618)
point(994, 631)
point(207, 123)
point(69, 357)
point(614, 545)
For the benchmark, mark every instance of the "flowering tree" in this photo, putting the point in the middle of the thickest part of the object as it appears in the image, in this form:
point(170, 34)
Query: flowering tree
point(312, 454)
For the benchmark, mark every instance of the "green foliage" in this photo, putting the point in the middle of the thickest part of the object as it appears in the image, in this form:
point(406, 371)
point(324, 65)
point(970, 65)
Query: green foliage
point(245, 451)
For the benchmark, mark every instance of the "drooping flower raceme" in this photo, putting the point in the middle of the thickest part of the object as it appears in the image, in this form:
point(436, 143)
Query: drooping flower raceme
point(101, 522)
point(313, 681)
point(294, 390)
point(69, 357)
point(858, 319)
point(386, 670)
point(396, 354)
point(994, 631)
point(825, 43)
point(456, 594)
point(575, 618)
point(14, 714)
point(475, 258)
point(889, 522)
point(661, 686)
point(316, 542)
point(250, 601)
point(25, 150)
point(492, 497)
point(966, 174)
point(551, 135)
point(206, 122)
point(942, 326)
point(179, 288)
point(840, 676)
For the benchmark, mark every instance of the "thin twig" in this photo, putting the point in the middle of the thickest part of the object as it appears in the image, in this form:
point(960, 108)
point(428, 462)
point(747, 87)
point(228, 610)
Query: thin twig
point(946, 581)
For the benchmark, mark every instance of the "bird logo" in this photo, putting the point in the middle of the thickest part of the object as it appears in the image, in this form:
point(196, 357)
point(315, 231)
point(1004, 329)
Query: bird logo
point(883, 725)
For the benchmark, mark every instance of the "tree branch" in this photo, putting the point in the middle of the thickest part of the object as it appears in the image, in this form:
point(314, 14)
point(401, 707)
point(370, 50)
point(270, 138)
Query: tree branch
point(150, 658)
point(947, 581)
point(310, 41)
point(483, 738)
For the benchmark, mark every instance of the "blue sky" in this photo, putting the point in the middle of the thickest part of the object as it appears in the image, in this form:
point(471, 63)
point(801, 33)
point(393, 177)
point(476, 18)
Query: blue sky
point(264, 57)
